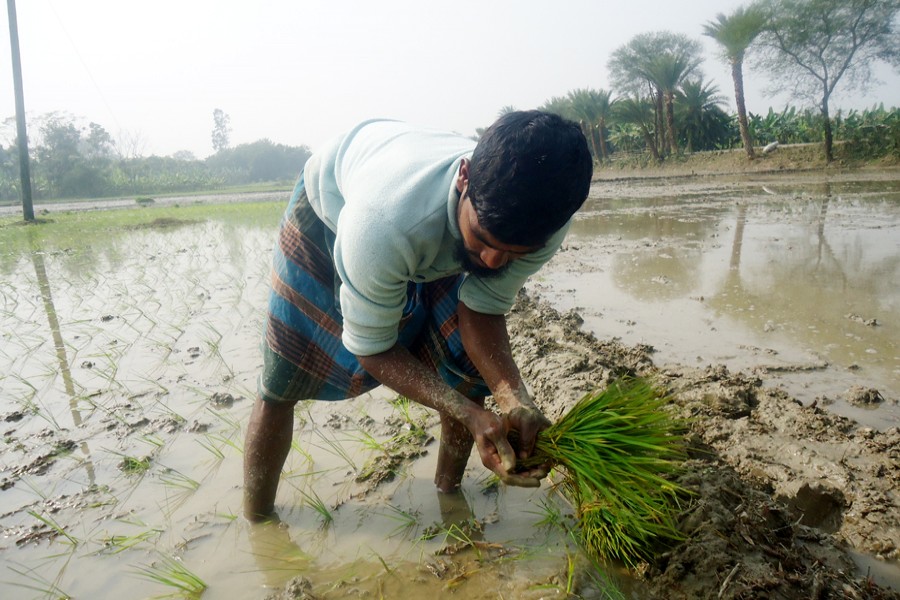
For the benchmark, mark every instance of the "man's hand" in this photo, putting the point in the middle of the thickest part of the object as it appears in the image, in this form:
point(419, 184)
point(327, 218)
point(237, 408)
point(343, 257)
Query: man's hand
point(527, 422)
point(400, 371)
point(490, 432)
point(486, 340)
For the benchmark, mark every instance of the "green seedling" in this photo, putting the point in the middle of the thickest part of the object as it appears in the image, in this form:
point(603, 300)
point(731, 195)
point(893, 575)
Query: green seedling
point(368, 441)
point(387, 568)
point(226, 441)
point(230, 422)
point(550, 512)
point(207, 445)
point(406, 407)
point(407, 520)
point(297, 447)
point(229, 517)
point(131, 465)
point(616, 450)
point(153, 440)
point(171, 572)
point(336, 448)
point(163, 390)
point(46, 588)
point(114, 544)
point(29, 482)
point(171, 413)
point(316, 503)
point(173, 478)
point(56, 527)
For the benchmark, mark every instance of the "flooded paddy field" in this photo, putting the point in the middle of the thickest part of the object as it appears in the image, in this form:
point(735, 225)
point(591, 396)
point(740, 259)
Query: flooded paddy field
point(796, 276)
point(129, 354)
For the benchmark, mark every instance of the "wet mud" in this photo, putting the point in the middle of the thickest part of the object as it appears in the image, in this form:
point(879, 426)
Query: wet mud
point(782, 493)
point(785, 498)
point(122, 412)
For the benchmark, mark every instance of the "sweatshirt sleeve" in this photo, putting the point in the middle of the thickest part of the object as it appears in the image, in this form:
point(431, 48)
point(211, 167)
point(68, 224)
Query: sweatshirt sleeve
point(374, 263)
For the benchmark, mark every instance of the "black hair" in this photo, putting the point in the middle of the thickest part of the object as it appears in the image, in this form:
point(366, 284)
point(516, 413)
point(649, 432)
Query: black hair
point(529, 173)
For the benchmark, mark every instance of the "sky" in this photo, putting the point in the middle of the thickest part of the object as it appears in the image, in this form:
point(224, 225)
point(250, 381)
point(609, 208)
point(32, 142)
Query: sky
point(301, 71)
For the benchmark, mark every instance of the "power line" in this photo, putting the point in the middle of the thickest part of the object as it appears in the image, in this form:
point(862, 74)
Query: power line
point(84, 64)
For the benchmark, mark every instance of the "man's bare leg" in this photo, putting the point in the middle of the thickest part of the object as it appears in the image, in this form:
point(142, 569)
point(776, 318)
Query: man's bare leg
point(266, 448)
point(453, 454)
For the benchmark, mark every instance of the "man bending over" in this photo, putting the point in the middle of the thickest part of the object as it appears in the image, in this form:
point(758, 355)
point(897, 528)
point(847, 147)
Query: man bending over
point(399, 255)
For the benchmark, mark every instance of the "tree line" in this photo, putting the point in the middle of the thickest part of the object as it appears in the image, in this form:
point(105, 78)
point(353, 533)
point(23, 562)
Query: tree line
point(662, 106)
point(71, 160)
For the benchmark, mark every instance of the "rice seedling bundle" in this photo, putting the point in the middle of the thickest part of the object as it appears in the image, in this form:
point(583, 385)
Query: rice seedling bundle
point(614, 450)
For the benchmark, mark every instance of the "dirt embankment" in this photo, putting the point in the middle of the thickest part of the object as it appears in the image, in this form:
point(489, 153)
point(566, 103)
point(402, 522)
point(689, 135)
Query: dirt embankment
point(782, 493)
point(797, 158)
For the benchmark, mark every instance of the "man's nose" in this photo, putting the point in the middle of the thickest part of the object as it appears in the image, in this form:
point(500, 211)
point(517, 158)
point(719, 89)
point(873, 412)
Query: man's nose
point(494, 259)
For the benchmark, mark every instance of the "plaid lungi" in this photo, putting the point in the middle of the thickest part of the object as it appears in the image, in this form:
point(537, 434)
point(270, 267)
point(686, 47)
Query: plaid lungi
point(304, 358)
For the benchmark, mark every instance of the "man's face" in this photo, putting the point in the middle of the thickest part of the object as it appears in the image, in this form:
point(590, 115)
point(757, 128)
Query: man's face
point(479, 252)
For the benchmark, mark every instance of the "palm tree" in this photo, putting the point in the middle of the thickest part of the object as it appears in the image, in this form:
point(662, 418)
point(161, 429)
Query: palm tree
point(605, 104)
point(668, 71)
point(704, 124)
point(559, 105)
point(735, 33)
point(640, 113)
point(661, 60)
point(592, 107)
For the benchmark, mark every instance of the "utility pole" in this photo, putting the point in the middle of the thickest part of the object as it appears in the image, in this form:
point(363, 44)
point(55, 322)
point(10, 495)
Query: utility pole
point(24, 166)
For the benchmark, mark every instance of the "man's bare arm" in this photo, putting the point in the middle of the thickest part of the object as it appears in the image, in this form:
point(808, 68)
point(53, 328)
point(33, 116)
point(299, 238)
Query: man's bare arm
point(403, 373)
point(486, 340)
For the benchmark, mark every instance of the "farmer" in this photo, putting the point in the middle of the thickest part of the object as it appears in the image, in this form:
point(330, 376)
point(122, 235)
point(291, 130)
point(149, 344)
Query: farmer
point(399, 254)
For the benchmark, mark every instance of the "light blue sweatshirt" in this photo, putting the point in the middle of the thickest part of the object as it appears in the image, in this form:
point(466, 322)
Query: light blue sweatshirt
point(388, 191)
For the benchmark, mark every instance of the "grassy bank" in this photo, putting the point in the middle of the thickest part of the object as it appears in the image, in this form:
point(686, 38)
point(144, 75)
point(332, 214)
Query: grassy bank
point(785, 159)
point(255, 188)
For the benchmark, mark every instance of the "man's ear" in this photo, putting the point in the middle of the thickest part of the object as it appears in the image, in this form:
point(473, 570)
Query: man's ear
point(462, 178)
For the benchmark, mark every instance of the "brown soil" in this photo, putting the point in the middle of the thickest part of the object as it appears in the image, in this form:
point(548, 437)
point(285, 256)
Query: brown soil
point(782, 492)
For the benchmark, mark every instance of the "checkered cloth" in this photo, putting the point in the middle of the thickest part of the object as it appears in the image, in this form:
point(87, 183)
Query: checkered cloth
point(303, 354)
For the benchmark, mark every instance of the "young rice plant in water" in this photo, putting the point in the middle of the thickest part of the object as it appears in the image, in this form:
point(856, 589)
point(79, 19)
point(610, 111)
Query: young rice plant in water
point(615, 449)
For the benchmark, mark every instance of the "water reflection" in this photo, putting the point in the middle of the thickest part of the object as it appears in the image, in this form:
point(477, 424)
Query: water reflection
point(760, 276)
point(737, 244)
point(807, 287)
point(40, 271)
point(277, 557)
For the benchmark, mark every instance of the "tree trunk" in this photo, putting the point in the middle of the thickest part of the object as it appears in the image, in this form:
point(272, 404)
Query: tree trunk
point(670, 121)
point(737, 73)
point(660, 124)
point(588, 132)
point(651, 143)
point(829, 140)
point(604, 151)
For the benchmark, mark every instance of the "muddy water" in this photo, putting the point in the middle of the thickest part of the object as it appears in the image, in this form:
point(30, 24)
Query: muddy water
point(795, 278)
point(137, 344)
point(141, 343)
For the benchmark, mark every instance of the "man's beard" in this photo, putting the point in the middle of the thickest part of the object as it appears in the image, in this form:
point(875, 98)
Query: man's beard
point(462, 256)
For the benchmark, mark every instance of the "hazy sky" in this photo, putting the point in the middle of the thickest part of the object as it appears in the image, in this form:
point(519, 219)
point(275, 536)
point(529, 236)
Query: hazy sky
point(299, 71)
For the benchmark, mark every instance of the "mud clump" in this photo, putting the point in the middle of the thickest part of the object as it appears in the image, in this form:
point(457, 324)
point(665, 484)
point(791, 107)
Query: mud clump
point(399, 450)
point(862, 396)
point(298, 588)
point(780, 491)
point(163, 223)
